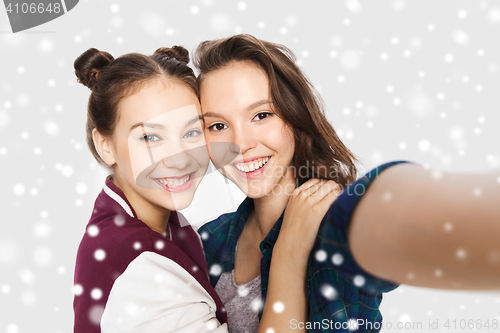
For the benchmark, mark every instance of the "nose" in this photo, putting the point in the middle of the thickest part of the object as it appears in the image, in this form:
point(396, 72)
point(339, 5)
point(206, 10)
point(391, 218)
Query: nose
point(244, 139)
point(176, 157)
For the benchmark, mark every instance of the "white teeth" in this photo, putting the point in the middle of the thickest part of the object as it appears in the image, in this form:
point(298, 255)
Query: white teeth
point(251, 166)
point(173, 182)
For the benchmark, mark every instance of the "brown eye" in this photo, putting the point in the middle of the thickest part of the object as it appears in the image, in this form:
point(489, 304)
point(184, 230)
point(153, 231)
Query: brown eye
point(217, 127)
point(262, 115)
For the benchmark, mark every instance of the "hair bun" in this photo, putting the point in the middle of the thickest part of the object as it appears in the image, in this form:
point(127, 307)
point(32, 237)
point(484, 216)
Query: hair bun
point(89, 65)
point(177, 52)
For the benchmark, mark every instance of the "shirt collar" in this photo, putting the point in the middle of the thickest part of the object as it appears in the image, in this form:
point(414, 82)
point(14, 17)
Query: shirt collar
point(239, 219)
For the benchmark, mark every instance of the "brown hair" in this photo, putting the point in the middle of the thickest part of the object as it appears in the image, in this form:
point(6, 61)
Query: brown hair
point(317, 146)
point(113, 79)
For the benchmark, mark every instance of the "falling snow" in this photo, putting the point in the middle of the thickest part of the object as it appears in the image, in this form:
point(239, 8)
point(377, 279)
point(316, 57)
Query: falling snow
point(328, 291)
point(19, 189)
point(278, 307)
point(99, 254)
point(215, 270)
point(423, 92)
point(220, 23)
point(42, 256)
point(77, 290)
point(119, 220)
point(461, 254)
point(359, 280)
point(28, 298)
point(337, 259)
point(96, 312)
point(96, 293)
point(256, 304)
point(12, 328)
point(159, 245)
point(321, 255)
point(93, 230)
point(4, 118)
point(350, 59)
point(27, 276)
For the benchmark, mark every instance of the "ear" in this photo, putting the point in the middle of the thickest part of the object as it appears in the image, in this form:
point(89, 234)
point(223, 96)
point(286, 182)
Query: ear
point(103, 148)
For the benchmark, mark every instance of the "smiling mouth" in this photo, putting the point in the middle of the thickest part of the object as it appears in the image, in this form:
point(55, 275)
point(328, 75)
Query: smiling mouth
point(252, 165)
point(173, 182)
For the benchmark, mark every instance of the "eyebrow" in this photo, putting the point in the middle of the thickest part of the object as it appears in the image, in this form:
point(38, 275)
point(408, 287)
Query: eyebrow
point(248, 108)
point(161, 127)
point(192, 121)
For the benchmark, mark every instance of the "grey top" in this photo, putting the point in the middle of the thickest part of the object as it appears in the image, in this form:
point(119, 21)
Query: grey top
point(242, 302)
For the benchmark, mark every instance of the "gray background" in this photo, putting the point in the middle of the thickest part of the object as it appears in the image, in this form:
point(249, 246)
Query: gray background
point(414, 80)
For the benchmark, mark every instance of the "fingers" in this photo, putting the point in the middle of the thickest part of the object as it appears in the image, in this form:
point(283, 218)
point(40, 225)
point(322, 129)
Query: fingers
point(316, 190)
point(325, 197)
point(328, 187)
point(322, 188)
point(334, 191)
point(307, 185)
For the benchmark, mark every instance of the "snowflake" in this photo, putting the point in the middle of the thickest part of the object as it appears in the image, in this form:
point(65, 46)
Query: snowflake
point(216, 270)
point(337, 259)
point(328, 291)
point(321, 255)
point(96, 294)
point(93, 230)
point(359, 280)
point(159, 245)
point(77, 289)
point(99, 254)
point(278, 307)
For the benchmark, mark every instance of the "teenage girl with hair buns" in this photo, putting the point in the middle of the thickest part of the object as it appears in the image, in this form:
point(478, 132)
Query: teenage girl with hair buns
point(140, 266)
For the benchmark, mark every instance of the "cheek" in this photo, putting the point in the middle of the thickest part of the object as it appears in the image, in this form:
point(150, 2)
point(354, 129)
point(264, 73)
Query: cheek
point(122, 155)
point(281, 138)
point(201, 156)
point(209, 145)
point(138, 159)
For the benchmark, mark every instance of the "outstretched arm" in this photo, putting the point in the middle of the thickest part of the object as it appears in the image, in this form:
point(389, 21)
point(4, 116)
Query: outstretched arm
point(429, 228)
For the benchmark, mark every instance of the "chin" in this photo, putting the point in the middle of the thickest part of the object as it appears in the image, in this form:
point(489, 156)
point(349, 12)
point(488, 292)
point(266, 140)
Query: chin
point(176, 203)
point(257, 192)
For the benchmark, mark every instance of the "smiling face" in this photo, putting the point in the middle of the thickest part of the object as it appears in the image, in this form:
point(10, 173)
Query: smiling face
point(248, 142)
point(158, 146)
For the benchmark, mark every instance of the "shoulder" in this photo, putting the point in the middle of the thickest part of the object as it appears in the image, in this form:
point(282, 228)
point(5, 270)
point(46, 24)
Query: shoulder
point(111, 243)
point(333, 233)
point(117, 233)
point(343, 207)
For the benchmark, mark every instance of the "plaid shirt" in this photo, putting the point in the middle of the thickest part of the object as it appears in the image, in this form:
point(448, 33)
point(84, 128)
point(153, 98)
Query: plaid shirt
point(340, 293)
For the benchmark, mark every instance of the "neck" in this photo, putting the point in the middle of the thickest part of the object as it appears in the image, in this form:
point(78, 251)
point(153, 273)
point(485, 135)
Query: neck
point(269, 208)
point(153, 216)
